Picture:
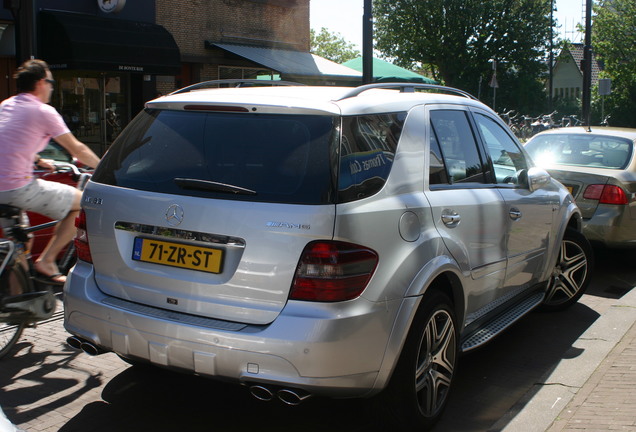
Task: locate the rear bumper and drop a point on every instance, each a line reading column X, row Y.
column 611, row 226
column 331, row 349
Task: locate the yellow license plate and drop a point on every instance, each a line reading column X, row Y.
column 178, row 255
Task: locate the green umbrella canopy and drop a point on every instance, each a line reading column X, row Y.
column 386, row 72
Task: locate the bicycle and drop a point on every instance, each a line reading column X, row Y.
column 570, row 121
column 511, row 118
column 605, row 121
column 24, row 300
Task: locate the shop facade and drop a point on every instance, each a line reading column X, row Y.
column 105, row 56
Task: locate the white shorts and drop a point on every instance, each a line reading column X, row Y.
column 49, row 198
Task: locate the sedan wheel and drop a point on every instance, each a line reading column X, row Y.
column 571, row 274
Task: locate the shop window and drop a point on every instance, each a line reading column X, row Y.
column 94, row 106
column 227, row 72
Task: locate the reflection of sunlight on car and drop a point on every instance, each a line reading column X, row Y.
column 544, row 158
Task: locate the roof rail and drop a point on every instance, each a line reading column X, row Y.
column 405, row 88
column 235, row 83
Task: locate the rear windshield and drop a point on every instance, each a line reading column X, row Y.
column 586, row 150
column 255, row 157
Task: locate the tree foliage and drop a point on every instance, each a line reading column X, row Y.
column 460, row 37
column 332, row 46
column 613, row 36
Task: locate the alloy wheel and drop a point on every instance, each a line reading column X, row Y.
column 569, row 275
column 436, row 358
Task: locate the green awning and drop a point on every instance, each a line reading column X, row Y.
column 386, row 72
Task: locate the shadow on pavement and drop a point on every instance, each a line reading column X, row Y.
column 614, row 273
column 492, row 379
column 153, row 399
column 37, row 368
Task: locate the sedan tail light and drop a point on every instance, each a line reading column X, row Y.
column 331, row 271
column 606, row 194
column 81, row 238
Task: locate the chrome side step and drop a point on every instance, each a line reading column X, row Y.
column 501, row 322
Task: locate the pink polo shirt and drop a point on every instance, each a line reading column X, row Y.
column 26, row 126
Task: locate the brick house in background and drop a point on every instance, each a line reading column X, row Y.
column 245, row 39
column 567, row 75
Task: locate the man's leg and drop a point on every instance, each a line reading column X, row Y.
column 64, row 233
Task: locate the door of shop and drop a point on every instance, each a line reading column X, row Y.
column 7, row 83
column 94, row 105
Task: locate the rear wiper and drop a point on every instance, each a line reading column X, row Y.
column 207, row 185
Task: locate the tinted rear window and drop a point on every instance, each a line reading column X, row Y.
column 272, row 158
column 368, row 147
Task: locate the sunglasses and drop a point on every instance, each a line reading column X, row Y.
column 50, row 81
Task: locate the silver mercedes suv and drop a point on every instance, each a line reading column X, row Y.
column 344, row 242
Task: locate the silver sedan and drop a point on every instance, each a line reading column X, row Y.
column 598, row 167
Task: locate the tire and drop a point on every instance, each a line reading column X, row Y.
column 571, row 273
column 419, row 388
column 14, row 280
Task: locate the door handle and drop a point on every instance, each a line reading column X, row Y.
column 515, row 213
column 450, row 218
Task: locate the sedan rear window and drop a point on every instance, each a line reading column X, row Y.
column 255, row 157
column 596, row 151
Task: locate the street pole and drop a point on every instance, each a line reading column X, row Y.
column 586, row 66
column 551, row 59
column 367, row 43
column 494, row 84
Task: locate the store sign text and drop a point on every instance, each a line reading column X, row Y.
column 124, row 68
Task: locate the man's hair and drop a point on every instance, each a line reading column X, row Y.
column 29, row 73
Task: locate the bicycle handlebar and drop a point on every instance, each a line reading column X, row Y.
column 65, row 166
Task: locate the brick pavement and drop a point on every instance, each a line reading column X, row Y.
column 45, row 383
column 607, row 401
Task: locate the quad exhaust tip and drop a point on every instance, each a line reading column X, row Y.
column 85, row 345
column 293, row 397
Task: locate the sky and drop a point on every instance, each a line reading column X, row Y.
column 345, row 17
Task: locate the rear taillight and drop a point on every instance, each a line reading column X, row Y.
column 331, row 271
column 81, row 238
column 606, row 194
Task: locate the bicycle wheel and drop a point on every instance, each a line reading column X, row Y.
column 13, row 280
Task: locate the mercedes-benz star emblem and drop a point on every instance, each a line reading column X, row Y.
column 174, row 215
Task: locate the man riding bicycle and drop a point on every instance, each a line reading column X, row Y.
column 27, row 123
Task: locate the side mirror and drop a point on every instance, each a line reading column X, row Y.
column 537, row 178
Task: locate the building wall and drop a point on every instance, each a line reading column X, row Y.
column 567, row 79
column 272, row 23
